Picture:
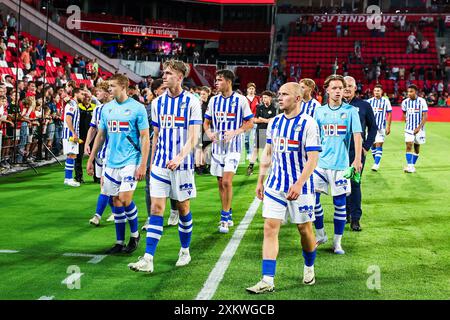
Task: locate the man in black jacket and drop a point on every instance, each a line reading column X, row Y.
column 369, row 128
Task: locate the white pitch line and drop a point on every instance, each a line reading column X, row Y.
column 8, row 251
column 46, row 298
column 96, row 258
column 216, row 275
column 72, row 278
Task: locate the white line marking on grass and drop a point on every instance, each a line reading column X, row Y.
column 8, row 251
column 46, row 298
column 216, row 275
column 96, row 258
column 72, row 278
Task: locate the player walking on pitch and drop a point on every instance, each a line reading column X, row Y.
column 176, row 119
column 415, row 111
column 293, row 146
column 230, row 116
column 125, row 125
column 70, row 135
column 337, row 122
column 102, row 95
column 382, row 111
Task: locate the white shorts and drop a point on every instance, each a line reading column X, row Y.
column 418, row 138
column 177, row 185
column 99, row 165
column 70, row 147
column 225, row 163
column 299, row 211
column 333, row 178
column 116, row 180
column 381, row 134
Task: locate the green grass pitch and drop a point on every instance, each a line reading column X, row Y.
column 406, row 224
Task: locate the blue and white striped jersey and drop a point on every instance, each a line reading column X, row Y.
column 227, row 114
column 380, row 108
column 173, row 116
column 95, row 122
column 71, row 109
column 414, row 109
column 291, row 139
column 309, row 107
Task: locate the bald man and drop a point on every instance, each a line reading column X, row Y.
column 292, row 149
column 369, row 132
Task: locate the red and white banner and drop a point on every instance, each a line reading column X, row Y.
column 160, row 32
column 385, row 18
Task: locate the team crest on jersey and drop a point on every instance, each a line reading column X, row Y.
column 343, row 116
column 298, row 128
column 234, row 104
column 127, row 112
column 183, row 105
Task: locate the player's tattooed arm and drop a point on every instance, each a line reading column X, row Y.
column 145, row 150
column 247, row 125
column 69, row 122
column 98, row 142
column 422, row 123
column 265, row 162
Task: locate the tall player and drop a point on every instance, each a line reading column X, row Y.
column 337, row 121
column 382, row 110
column 102, row 95
column 176, row 120
column 230, row 116
column 415, row 112
column 293, row 146
column 70, row 134
column 124, row 123
column 308, row 104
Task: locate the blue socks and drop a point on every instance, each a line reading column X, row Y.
column 102, row 202
column 374, row 151
column 154, row 233
column 224, row 216
column 309, row 258
column 185, row 230
column 414, row 158
column 409, row 158
column 70, row 164
column 340, row 216
column 132, row 217
column 378, row 155
column 269, row 267
column 318, row 212
column 120, row 219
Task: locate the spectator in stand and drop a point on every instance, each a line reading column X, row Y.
column 3, row 49
column 26, row 59
column 318, row 69
column 411, row 43
column 82, row 66
column 12, row 24
column 442, row 51
column 338, row 30
column 382, row 30
column 424, row 45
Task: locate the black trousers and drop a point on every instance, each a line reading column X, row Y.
column 79, row 162
column 354, row 200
